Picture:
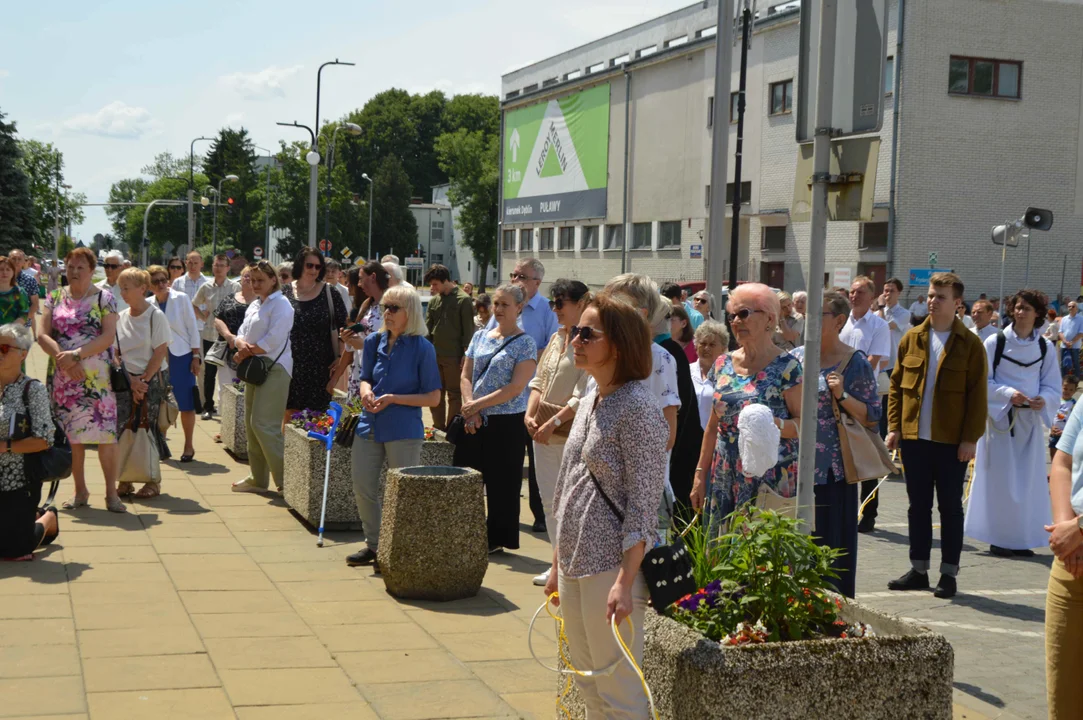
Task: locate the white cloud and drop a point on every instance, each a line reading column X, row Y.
column 450, row 87
column 4, row 73
column 259, row 85
column 115, row 120
column 234, row 119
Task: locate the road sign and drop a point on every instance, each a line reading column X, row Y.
column 695, row 251
column 347, row 253
column 325, row 245
column 860, row 42
column 360, row 262
column 841, row 277
column 932, row 259
column 415, row 262
column 257, row 251
column 167, row 247
column 921, row 276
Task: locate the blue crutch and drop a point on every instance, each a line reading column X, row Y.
column 335, row 411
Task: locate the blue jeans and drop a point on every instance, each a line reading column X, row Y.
column 1074, row 353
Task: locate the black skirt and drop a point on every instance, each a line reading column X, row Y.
column 20, row 533
column 497, row 451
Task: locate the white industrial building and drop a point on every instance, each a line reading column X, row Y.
column 990, row 101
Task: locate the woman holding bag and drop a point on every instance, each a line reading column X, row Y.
column 847, row 379
column 228, row 318
column 185, row 349
column 143, row 337
column 264, row 337
column 319, row 315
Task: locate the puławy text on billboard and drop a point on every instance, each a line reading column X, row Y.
column 556, row 156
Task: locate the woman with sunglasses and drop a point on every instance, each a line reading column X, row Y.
column 399, row 376
column 373, row 282
column 703, row 301
column 319, row 315
column 498, row 365
column 228, row 317
column 265, row 332
column 848, row 379
column 555, row 392
column 615, row 455
column 758, row 371
column 175, row 269
column 185, row 352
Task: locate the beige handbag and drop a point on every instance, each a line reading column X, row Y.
column 167, row 410
column 139, row 461
column 883, row 383
column 768, row 499
column 864, row 455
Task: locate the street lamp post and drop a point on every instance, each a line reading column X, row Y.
column 364, row 176
column 218, row 201
column 56, row 218
column 191, row 190
column 267, row 204
column 313, row 159
column 353, row 129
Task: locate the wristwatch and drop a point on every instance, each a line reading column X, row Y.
column 845, row 396
column 556, row 421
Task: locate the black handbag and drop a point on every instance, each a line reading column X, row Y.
column 118, row 378
column 50, row 465
column 456, row 429
column 254, row 369
column 666, row 568
column 345, row 430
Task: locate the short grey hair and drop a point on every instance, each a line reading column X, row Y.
column 713, row 330
column 710, row 301
column 19, row 333
column 800, row 295
column 113, row 255
column 285, row 267
column 390, row 259
column 837, row 303
column 535, row 266
column 394, row 270
column 643, row 292
column 514, row 290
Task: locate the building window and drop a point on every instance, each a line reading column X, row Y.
column 641, row 236
column 873, row 236
column 889, row 76
column 614, row 237
column 746, row 192
column 734, row 109
column 567, row 238
column 438, row 230
column 710, row 111
column 436, row 258
column 669, row 234
column 781, row 94
column 509, row 241
column 774, row 238
column 590, row 237
column 988, row 78
column 545, row 240
column 526, row 240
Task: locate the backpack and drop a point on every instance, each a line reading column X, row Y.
column 998, row 354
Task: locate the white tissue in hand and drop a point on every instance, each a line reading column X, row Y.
column 757, row 439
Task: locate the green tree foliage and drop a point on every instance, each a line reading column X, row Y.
column 16, row 204
column 166, row 164
column 127, row 190
column 394, row 229
column 165, row 223
column 231, row 153
column 289, row 196
column 471, row 160
column 45, row 174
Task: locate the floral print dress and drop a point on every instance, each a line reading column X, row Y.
column 14, row 304
column 87, row 410
column 729, row 487
column 371, row 321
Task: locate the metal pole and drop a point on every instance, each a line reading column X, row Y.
column 892, row 220
column 214, row 234
column 821, row 153
column 482, row 267
column 371, row 208
column 735, row 227
column 720, row 139
column 267, row 224
column 1003, row 259
column 191, row 189
column 56, row 218
column 146, row 215
column 624, row 195
column 313, row 198
column 1026, row 273
column 330, row 167
column 1063, row 270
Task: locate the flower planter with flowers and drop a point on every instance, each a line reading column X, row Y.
column 305, row 460
column 765, row 637
column 233, row 431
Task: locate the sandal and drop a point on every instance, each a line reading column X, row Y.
column 75, row 502
column 113, row 504
column 48, row 539
column 125, row 489
column 148, row 491
column 187, row 457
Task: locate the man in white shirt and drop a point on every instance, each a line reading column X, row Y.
column 194, row 279
column 983, row 313
column 918, row 310
column 1071, row 334
column 114, row 265
column 868, row 332
column 205, row 305
column 334, row 277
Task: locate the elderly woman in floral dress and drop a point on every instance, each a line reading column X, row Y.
column 78, row 327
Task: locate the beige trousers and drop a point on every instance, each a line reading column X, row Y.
column 1064, row 644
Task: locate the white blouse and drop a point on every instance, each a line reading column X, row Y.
column 268, row 324
column 137, row 337
column 704, row 393
column 182, row 323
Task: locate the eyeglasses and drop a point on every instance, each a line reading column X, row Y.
column 284, row 277
column 520, row 276
column 176, row 267
column 699, row 300
column 160, row 281
column 585, row 334
column 110, row 266
column 391, row 309
column 5, row 349
column 313, row 266
column 557, row 303
column 743, row 314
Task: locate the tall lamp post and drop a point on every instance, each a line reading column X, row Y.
column 192, row 190
column 267, row 203
column 353, row 129
column 313, row 159
column 364, row 176
column 218, row 201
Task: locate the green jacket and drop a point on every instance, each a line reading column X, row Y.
column 451, row 322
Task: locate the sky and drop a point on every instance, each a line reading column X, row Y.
column 113, row 83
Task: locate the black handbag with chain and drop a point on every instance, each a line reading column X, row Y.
column 666, row 568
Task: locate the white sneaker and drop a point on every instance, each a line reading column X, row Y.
column 540, row 580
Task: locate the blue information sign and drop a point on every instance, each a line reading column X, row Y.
column 920, row 276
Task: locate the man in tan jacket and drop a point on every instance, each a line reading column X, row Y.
column 936, row 415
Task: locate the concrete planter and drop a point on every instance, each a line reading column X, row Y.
column 433, row 542
column 305, row 460
column 904, row 672
column 231, row 412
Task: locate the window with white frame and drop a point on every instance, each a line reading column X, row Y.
column 669, row 234
column 641, row 236
column 614, row 237
column 437, row 230
column 526, row 240
column 545, row 240
column 436, row 258
column 566, row 240
column 589, row 240
column 509, row 241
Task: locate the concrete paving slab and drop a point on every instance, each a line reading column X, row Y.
column 292, row 686
column 251, row 653
column 166, row 672
column 190, row 704
column 391, row 666
column 41, row 696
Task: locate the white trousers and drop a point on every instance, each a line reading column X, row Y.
column 547, row 459
column 591, row 645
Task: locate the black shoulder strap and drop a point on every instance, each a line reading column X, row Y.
column 1042, row 345
column 999, row 353
column 503, row 345
column 610, row 503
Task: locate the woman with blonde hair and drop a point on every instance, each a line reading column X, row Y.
column 757, row 372
column 399, row 376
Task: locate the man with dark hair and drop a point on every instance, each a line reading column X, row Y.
column 334, row 279
column 450, row 320
column 205, row 304
column 672, row 292
column 936, row 415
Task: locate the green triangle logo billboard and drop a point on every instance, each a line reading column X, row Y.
column 554, row 166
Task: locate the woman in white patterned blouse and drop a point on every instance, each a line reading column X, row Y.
column 616, row 450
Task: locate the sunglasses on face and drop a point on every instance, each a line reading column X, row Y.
column 585, row 334
column 159, row 281
column 176, row 267
column 743, row 314
column 110, row 266
column 557, row 303
column 313, row 266
column 699, row 300
column 5, row 349
column 520, row 276
column 391, row 309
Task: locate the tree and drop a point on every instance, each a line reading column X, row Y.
column 16, row 203
column 43, row 165
column 65, row 246
column 289, row 197
column 166, row 164
column 127, row 190
column 232, row 153
column 471, row 160
column 473, row 112
column 165, row 223
column 394, row 229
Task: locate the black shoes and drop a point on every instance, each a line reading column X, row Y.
column 207, row 415
column 912, row 580
column 867, row 525
column 945, row 588
column 1000, row 551
column 1023, row 553
column 365, row 557
column 539, row 526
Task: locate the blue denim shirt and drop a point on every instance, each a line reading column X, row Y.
column 409, row 369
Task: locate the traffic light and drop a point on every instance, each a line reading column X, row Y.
column 229, row 204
